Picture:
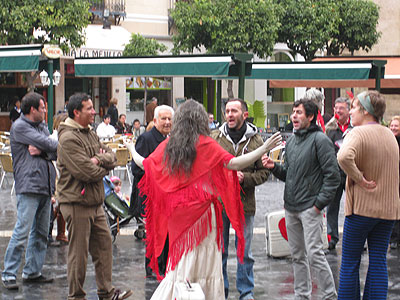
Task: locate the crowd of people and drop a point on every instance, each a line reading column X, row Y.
column 188, row 163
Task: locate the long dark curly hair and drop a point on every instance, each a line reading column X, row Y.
column 190, row 121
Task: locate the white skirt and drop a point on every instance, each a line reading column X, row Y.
column 202, row 265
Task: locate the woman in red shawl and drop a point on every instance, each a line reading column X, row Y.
column 189, row 179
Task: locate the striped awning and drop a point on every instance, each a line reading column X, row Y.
column 20, row 58
column 311, row 71
column 193, row 66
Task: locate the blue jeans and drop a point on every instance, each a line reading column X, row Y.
column 33, row 218
column 244, row 273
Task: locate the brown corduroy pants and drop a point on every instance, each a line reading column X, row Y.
column 88, row 233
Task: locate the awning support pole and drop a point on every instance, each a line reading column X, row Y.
column 241, row 59
column 242, row 69
column 379, row 65
column 219, row 96
column 50, row 99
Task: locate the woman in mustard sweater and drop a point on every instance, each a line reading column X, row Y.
column 370, row 158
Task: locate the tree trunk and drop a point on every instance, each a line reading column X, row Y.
column 229, row 89
column 30, row 78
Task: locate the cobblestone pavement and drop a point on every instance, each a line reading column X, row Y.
column 273, row 277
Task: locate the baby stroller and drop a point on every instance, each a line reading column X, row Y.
column 117, row 210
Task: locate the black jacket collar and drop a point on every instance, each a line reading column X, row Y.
column 313, row 127
column 157, row 135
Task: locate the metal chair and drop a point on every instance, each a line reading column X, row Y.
column 6, row 167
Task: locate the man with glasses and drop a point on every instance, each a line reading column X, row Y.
column 336, row 128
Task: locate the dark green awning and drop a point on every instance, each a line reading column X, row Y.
column 20, row 58
column 311, row 71
column 200, row 66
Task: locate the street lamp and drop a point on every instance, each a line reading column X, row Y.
column 56, row 77
column 45, row 80
column 106, row 22
column 50, row 79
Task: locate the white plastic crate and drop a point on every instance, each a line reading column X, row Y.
column 276, row 244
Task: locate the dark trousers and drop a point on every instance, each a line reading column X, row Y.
column 358, row 229
column 162, row 261
column 332, row 215
column 395, row 237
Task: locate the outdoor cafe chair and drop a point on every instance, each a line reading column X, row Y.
column 6, row 167
column 122, row 155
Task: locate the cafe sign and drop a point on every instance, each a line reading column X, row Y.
column 86, row 53
column 52, row 51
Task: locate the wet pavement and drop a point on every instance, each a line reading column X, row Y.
column 273, row 277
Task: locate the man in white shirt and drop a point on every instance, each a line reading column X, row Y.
column 105, row 130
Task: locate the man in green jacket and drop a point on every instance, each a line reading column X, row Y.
column 239, row 137
column 83, row 162
column 311, row 173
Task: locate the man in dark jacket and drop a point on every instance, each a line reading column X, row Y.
column 239, row 137
column 83, row 161
column 145, row 145
column 312, row 176
column 336, row 129
column 113, row 111
column 32, row 151
column 15, row 112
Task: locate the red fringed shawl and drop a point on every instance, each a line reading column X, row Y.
column 181, row 206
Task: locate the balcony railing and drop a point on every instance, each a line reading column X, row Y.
column 114, row 8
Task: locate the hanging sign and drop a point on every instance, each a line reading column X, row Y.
column 52, row 51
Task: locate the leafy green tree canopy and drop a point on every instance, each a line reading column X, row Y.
column 62, row 21
column 357, row 27
column 141, row 46
column 307, row 25
column 226, row 26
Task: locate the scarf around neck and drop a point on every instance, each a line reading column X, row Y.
column 237, row 134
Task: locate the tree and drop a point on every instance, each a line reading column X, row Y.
column 357, row 27
column 43, row 21
column 308, row 25
column 140, row 46
column 62, row 22
column 226, row 26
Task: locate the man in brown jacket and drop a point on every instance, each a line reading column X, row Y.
column 239, row 137
column 150, row 110
column 83, row 162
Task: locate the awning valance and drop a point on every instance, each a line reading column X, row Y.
column 311, row 71
column 21, row 58
column 330, row 73
column 390, row 79
column 200, row 66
